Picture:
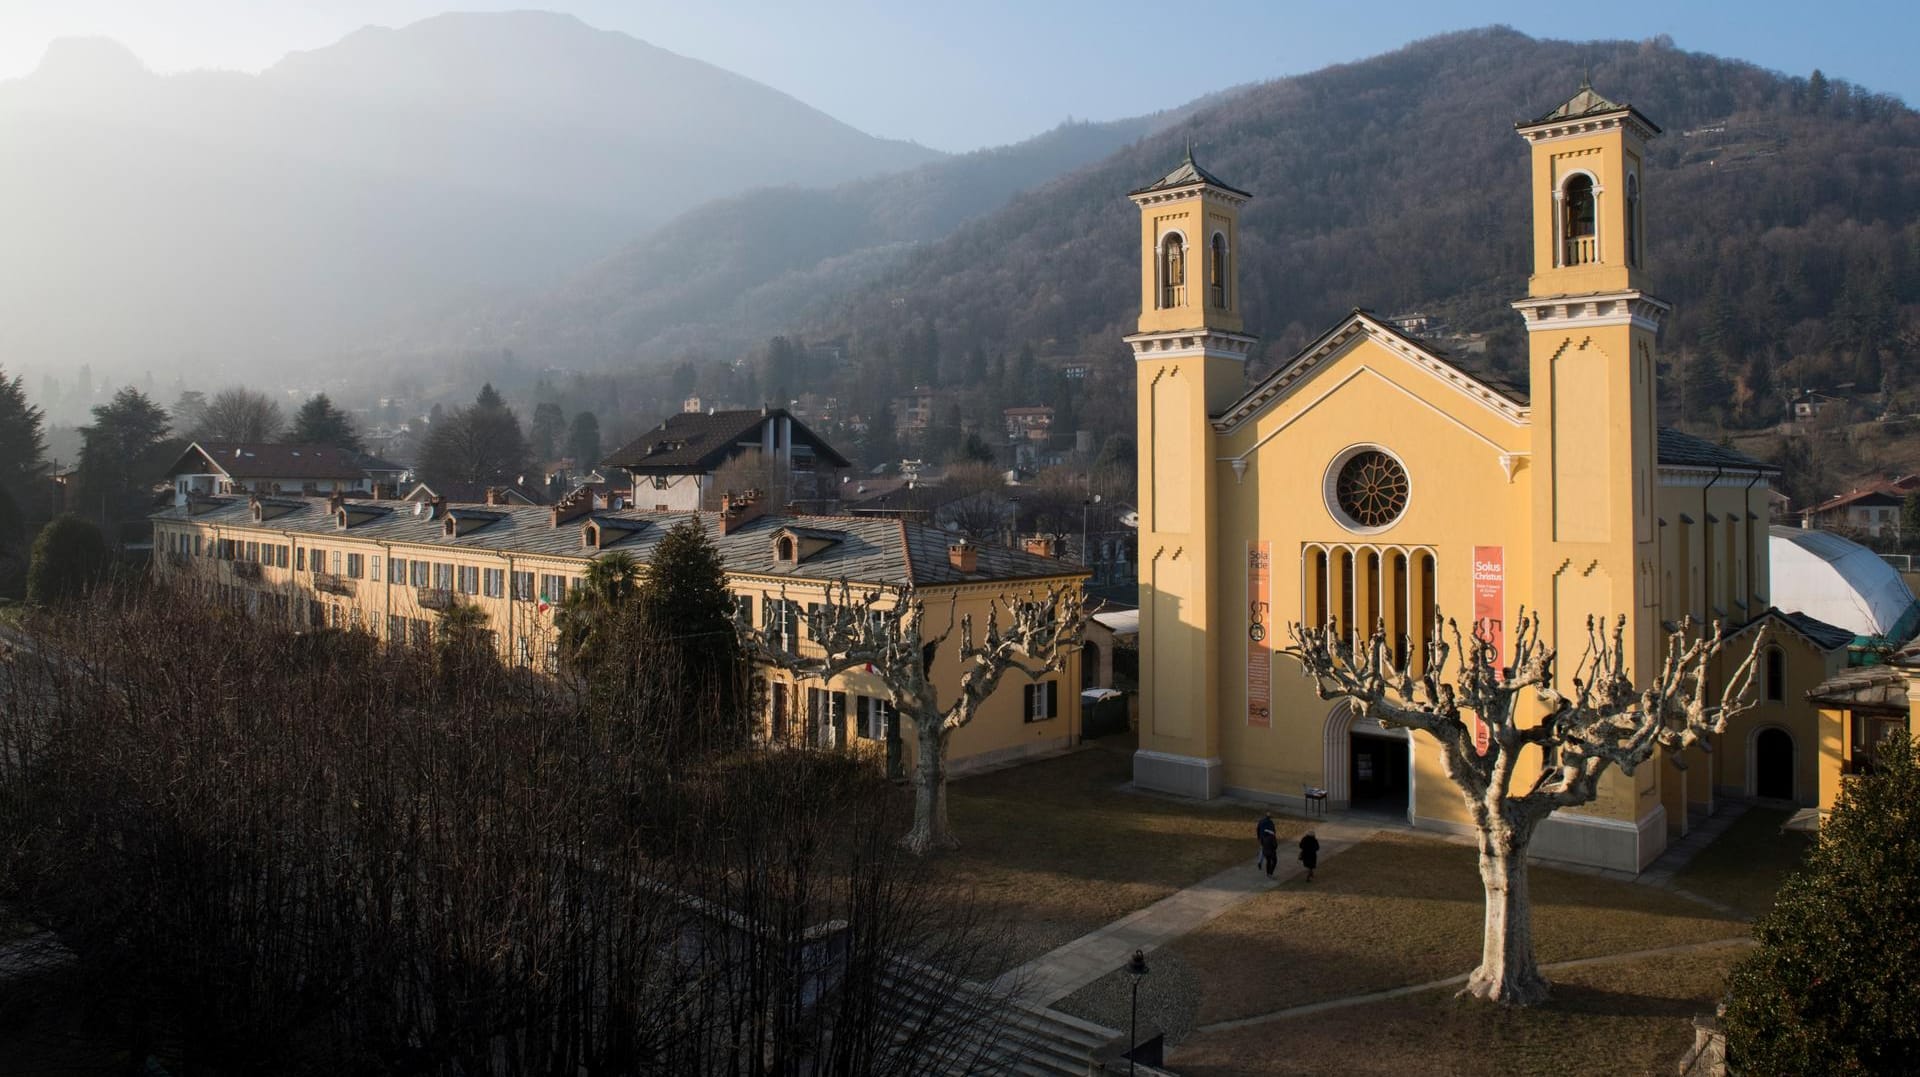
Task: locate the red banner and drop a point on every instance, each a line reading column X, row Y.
column 1489, row 616
column 1259, row 635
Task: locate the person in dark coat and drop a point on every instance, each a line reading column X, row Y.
column 1309, row 853
column 1269, row 844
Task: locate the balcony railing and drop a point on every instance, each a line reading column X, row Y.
column 433, row 598
column 332, row 584
column 1582, row 250
column 1173, row 295
column 247, row 570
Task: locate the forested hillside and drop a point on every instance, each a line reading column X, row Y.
column 1782, row 222
column 1782, row 217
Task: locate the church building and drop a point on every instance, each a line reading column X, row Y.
column 1370, row 479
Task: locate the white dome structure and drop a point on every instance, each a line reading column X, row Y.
column 1841, row 582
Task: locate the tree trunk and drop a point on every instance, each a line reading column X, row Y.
column 930, row 791
column 1507, row 972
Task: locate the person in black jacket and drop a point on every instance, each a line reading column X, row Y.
column 1309, row 853
column 1269, row 844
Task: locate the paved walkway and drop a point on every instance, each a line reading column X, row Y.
column 1055, row 975
column 1699, row 836
column 1413, row 989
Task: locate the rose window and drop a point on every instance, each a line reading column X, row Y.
column 1371, row 489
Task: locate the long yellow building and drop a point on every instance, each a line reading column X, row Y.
column 391, row 567
column 1370, row 478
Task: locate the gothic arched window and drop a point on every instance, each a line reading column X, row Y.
column 1776, row 675
column 1578, row 221
column 1173, row 271
column 1633, row 220
column 1217, row 271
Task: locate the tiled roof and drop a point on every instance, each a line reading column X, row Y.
column 1187, row 174
column 1824, row 635
column 865, row 550
column 701, row 441
column 1586, row 102
column 1684, row 450
column 247, row 460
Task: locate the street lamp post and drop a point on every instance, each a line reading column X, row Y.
column 1137, row 968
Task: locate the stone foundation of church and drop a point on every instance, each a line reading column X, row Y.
column 1182, row 775
column 1587, row 840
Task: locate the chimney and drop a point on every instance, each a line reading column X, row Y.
column 336, row 501
column 739, row 510
column 1043, row 547
column 573, row 506
column 496, row 495
column 437, row 508
column 964, row 557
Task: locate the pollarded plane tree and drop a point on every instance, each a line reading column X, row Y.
column 1599, row 721
column 883, row 632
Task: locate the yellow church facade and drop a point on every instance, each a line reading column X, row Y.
column 1372, row 480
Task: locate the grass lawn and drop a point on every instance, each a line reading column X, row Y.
column 1395, row 910
column 1746, row 865
column 1057, row 848
column 1616, row 1019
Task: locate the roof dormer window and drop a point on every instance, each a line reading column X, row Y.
column 785, row 550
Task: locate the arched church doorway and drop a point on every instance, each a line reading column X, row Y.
column 1773, row 764
column 1379, row 776
column 1368, row 768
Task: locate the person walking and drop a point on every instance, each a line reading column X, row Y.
column 1309, row 853
column 1269, row 844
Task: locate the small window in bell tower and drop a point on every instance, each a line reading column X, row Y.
column 1578, row 225
column 1173, row 272
column 1217, row 271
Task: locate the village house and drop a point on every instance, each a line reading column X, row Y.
column 673, row 465
column 232, row 467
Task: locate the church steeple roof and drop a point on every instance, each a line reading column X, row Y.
column 1586, row 101
column 1186, row 175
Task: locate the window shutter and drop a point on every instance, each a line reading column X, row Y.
column 1053, row 699
column 1027, row 706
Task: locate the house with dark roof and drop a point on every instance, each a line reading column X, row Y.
column 390, row 567
column 207, row 468
column 673, row 466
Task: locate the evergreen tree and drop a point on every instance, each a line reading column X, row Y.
column 115, row 450
column 1910, row 520
column 549, row 426
column 69, row 557
column 688, row 614
column 583, row 441
column 23, row 449
column 318, row 422
column 1831, row 989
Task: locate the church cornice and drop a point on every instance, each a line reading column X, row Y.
column 1632, row 307
column 1577, row 126
column 1184, row 343
column 1282, row 381
column 1203, row 191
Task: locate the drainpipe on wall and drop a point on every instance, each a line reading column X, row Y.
column 1706, row 549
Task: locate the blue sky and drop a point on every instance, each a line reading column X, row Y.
column 959, row 75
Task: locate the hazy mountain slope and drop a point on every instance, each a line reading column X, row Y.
column 727, row 273
column 216, row 217
column 1394, row 183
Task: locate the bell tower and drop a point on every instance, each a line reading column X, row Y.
column 1591, row 336
column 1190, row 363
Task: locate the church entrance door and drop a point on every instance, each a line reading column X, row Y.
column 1773, row 764
column 1378, row 774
